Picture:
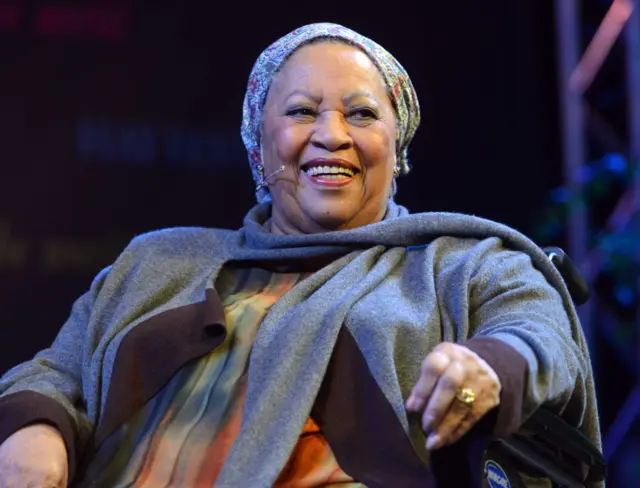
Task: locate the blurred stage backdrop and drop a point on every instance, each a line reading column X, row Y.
column 121, row 117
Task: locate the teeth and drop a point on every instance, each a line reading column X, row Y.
column 329, row 170
column 334, row 177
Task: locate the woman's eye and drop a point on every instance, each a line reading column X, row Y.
column 363, row 113
column 301, row 112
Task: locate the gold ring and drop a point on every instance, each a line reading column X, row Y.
column 466, row 396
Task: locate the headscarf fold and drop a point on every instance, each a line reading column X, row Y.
column 396, row 79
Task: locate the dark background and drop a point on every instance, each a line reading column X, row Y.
column 120, row 117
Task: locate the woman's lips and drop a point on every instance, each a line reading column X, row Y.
column 329, row 182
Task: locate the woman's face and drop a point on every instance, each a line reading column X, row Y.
column 329, row 121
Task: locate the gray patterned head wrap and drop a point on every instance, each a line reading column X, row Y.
column 400, row 88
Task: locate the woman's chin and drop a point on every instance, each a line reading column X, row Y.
column 332, row 216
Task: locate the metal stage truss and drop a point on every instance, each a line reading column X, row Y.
column 577, row 69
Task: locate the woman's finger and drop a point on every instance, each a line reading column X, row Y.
column 443, row 396
column 434, row 365
column 465, row 425
column 457, row 414
column 487, row 398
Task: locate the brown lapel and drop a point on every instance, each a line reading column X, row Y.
column 361, row 427
column 369, row 441
column 153, row 352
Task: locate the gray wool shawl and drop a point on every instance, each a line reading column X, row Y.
column 400, row 286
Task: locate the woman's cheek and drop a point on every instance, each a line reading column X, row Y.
column 377, row 152
column 291, row 142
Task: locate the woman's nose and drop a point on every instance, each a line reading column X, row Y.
column 331, row 133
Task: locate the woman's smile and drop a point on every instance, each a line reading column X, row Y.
column 329, row 173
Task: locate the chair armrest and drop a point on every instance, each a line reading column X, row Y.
column 578, row 288
column 531, row 458
column 548, row 428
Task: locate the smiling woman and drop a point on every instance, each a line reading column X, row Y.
column 334, row 338
column 329, row 120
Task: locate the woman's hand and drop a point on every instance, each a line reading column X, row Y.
column 35, row 456
column 447, row 373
